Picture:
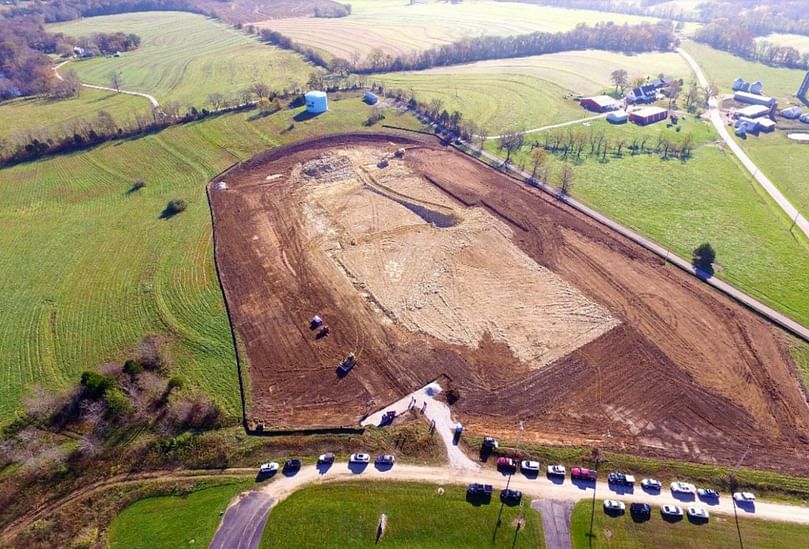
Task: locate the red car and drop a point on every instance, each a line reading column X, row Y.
column 580, row 473
column 506, row 463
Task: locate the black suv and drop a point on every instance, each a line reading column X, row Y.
column 640, row 510
column 511, row 496
column 476, row 489
column 292, row 465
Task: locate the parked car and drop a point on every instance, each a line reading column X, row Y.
column 640, row 510
column 683, row 488
column 744, row 497
column 671, row 511
column 707, row 493
column 698, row 513
column 490, row 443
column 477, row 490
column 556, row 470
column 621, row 479
column 511, row 496
column 581, row 473
column 529, row 466
column 359, row 458
column 651, row 484
column 506, row 463
column 385, row 459
column 328, row 457
column 613, row 506
column 268, row 468
column 292, row 465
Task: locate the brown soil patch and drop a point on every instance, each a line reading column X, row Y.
column 437, row 266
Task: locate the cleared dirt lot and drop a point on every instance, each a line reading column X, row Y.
column 436, row 266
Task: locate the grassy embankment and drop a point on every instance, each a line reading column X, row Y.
column 347, row 515
column 89, row 267
column 720, row 532
column 185, row 57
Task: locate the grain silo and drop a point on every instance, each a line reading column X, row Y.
column 316, row 102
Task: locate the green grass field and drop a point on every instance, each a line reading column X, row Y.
column 173, row 521
column 785, row 162
column 706, row 199
column 584, row 72
column 21, row 116
column 347, row 514
column 396, row 27
column 723, row 68
column 720, row 532
column 89, row 268
column 185, row 57
column 797, row 41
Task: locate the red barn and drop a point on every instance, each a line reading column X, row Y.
column 599, row 103
column 648, row 115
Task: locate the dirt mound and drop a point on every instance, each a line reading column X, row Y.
column 530, row 310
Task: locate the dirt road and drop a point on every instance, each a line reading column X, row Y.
column 239, row 526
column 146, row 96
column 716, row 118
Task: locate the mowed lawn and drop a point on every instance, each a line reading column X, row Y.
column 88, row 268
column 173, row 521
column 723, row 68
column 785, row 162
column 25, row 116
column 718, row 533
column 497, row 103
column 347, row 515
column 583, row 72
column 185, row 57
column 397, row 27
column 705, row 199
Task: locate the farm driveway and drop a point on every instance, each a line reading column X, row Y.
column 243, row 522
column 150, row 98
column 555, row 522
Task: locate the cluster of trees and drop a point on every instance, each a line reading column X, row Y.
column 67, row 10
column 25, row 69
column 333, row 10
column 109, row 42
column 576, row 144
column 761, row 17
column 741, row 41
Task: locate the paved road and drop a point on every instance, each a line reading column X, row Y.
column 554, row 126
column 241, row 523
column 555, row 522
column 151, row 98
column 716, row 118
column 435, row 410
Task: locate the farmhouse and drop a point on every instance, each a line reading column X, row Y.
column 316, row 102
column 599, row 103
column 648, row 115
column 752, row 111
column 644, row 94
column 617, row 117
column 753, row 99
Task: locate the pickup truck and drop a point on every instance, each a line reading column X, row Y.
column 581, row 473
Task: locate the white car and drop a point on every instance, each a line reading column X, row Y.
column 530, row 466
column 683, row 488
column 556, row 470
column 671, row 511
column 613, row 505
column 698, row 513
column 269, row 468
column 359, row 458
column 651, row 484
column 744, row 497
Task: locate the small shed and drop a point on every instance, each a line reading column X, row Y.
column 753, row 99
column 648, row 115
column 752, row 111
column 765, row 124
column 617, row 117
column 371, row 98
column 599, row 103
column 316, row 102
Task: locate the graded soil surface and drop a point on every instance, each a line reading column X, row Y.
column 435, row 266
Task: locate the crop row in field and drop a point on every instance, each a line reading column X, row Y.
column 89, row 267
column 185, row 57
column 397, row 28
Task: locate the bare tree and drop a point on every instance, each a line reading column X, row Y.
column 216, row 100
column 261, row 89
column 619, row 77
column 538, row 158
column 710, row 91
column 566, row 179
column 674, row 93
column 510, row 142
column 116, row 80
column 692, row 95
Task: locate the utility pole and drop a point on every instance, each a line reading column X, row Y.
column 733, row 489
column 516, row 448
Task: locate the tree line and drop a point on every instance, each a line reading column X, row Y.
column 741, row 41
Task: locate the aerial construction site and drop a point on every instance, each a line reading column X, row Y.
column 427, row 264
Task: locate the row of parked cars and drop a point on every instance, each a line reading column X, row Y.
column 484, row 491
column 292, row 466
column 643, row 511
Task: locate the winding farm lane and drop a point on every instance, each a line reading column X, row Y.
column 151, row 98
column 554, row 126
column 763, row 180
column 245, row 518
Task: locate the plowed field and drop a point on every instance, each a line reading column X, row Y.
column 435, row 266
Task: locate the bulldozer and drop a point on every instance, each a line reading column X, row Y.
column 345, row 366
